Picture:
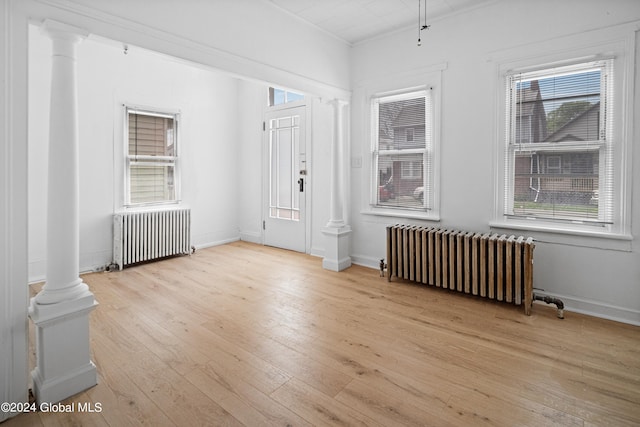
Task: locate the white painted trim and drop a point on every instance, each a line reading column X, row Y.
column 317, row 252
column 548, row 232
column 308, row 195
column 424, row 78
column 13, row 209
column 113, row 27
column 216, row 243
column 251, row 237
column 336, row 265
column 616, row 42
column 337, row 241
column 367, row 261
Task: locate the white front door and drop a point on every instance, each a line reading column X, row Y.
column 286, row 180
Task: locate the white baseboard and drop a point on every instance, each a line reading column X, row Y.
column 366, row 261
column 317, row 252
column 251, row 237
column 216, row 243
column 598, row 309
column 336, row 265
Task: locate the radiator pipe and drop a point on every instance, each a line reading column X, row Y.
column 382, row 267
column 111, row 267
column 550, row 300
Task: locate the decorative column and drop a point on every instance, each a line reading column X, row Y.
column 61, row 310
column 337, row 232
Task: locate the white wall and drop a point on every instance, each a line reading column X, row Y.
column 592, row 275
column 107, row 79
column 320, row 169
column 252, row 100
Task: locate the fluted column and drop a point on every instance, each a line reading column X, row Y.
column 61, row 310
column 337, row 231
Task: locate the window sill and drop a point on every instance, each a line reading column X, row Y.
column 145, row 207
column 400, row 213
column 583, row 236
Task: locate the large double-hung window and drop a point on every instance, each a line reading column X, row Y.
column 402, row 150
column 151, row 157
column 559, row 144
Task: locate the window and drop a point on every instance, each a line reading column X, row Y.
column 410, row 134
column 559, row 145
column 151, row 157
column 281, row 96
column 402, row 150
column 554, row 165
column 411, row 170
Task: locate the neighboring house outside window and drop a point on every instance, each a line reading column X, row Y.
column 402, row 150
column 151, row 157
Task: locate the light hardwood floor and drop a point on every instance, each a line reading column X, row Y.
column 243, row 334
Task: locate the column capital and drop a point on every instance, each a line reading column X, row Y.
column 61, row 31
column 337, row 103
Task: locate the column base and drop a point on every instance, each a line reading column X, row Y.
column 63, row 367
column 336, row 248
column 57, row 389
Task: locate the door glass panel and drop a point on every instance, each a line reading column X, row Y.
column 273, row 166
column 284, row 172
column 294, row 162
column 284, row 122
column 284, row 152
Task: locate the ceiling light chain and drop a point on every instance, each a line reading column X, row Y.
column 422, row 26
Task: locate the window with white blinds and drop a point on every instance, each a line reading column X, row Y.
column 559, row 163
column 402, row 150
column 151, row 157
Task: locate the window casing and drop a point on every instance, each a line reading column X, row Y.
column 151, row 157
column 559, row 144
column 402, row 151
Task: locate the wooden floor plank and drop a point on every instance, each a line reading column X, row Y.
column 249, row 405
column 319, row 408
column 243, row 334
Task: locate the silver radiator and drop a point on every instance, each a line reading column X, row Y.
column 150, row 235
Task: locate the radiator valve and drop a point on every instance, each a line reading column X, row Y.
column 383, row 266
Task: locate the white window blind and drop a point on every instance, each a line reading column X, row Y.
column 559, row 147
column 151, row 157
column 402, row 150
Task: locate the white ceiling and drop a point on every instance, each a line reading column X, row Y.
column 356, row 20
